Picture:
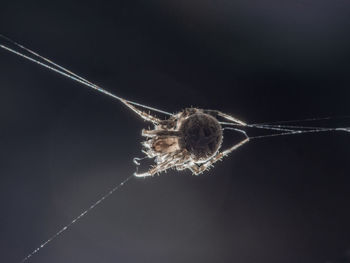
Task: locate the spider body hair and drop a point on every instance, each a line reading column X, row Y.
column 190, row 139
column 201, row 136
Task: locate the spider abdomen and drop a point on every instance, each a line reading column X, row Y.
column 201, row 135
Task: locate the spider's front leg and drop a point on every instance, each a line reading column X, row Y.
column 164, row 133
column 196, row 169
column 142, row 114
column 169, row 163
column 157, row 169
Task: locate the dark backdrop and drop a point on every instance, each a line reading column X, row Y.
column 283, row 199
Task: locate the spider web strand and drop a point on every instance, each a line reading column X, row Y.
column 280, row 127
column 288, row 131
column 299, row 132
column 69, row 74
column 76, row 219
column 306, row 120
column 45, row 59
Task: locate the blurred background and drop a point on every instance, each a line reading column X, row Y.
column 62, row 146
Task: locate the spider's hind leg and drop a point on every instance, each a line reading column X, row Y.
column 225, row 116
column 198, row 169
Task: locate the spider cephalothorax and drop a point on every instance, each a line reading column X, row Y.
column 189, row 139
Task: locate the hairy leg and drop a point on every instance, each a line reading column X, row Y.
column 142, row 114
column 196, row 169
column 225, row 116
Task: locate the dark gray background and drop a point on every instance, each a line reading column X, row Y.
column 62, row 145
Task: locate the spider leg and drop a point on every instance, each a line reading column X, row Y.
column 153, row 133
column 171, row 162
column 226, row 116
column 142, row 114
column 198, row 169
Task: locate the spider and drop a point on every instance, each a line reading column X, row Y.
column 190, row 139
